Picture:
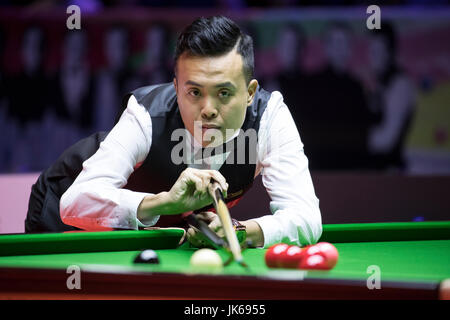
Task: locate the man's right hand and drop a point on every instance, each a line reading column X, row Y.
column 189, row 193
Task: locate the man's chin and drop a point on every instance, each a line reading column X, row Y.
column 211, row 143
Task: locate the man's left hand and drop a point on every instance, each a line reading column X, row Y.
column 213, row 222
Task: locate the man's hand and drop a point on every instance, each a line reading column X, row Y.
column 213, row 222
column 253, row 231
column 189, row 193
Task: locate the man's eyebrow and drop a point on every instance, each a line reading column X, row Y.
column 192, row 83
column 227, row 84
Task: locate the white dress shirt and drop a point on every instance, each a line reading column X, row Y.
column 97, row 201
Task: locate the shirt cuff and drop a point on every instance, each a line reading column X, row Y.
column 269, row 229
column 148, row 222
column 296, row 231
column 132, row 201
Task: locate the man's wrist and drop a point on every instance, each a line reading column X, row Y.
column 155, row 205
column 254, row 233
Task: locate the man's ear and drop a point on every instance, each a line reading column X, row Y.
column 251, row 89
column 175, row 84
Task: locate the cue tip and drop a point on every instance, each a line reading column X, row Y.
column 242, row 263
column 239, row 262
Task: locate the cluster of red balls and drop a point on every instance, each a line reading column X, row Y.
column 320, row 256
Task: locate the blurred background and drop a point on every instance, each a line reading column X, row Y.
column 372, row 106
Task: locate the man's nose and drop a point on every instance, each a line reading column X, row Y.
column 208, row 110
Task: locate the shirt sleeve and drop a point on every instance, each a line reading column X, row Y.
column 96, row 200
column 296, row 217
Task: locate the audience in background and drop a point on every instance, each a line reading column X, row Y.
column 156, row 67
column 342, row 128
column 115, row 79
column 72, row 95
column 292, row 80
column 5, row 140
column 335, row 121
column 28, row 94
column 393, row 98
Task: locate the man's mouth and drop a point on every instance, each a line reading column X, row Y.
column 209, row 126
column 212, row 137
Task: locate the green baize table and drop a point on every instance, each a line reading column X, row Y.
column 404, row 260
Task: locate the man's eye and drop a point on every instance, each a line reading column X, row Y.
column 224, row 94
column 194, row 93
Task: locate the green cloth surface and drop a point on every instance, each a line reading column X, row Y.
column 410, row 251
column 398, row 261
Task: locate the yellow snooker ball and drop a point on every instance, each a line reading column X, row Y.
column 206, row 259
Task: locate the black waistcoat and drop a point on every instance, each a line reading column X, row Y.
column 157, row 173
column 159, row 168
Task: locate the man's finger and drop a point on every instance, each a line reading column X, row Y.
column 206, row 216
column 200, row 185
column 216, row 226
column 192, row 236
column 217, row 176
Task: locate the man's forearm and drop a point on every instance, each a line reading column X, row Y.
column 155, row 205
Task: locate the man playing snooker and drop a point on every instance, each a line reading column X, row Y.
column 213, row 91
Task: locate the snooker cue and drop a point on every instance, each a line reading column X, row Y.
column 224, row 215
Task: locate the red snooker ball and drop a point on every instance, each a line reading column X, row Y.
column 272, row 256
column 321, row 256
column 330, row 252
column 313, row 262
column 291, row 257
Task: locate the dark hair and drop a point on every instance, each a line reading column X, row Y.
column 213, row 37
column 387, row 33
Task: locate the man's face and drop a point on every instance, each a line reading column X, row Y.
column 338, row 49
column 212, row 94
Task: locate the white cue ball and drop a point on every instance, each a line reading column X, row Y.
column 206, row 259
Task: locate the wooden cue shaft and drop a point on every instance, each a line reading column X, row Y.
column 224, row 215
